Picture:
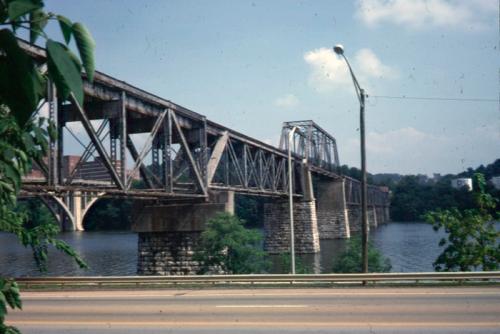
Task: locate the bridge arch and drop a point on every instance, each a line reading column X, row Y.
column 70, row 208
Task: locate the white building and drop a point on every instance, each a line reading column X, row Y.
column 495, row 181
column 462, row 182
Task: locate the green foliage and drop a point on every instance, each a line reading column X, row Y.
column 285, row 262
column 86, row 47
column 40, row 230
column 412, row 198
column 472, row 241
column 22, row 139
column 22, row 83
column 250, row 209
column 227, row 246
column 350, row 259
column 109, row 214
column 65, row 69
column 9, row 295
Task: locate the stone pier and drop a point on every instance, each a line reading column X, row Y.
column 277, row 227
column 333, row 218
column 168, row 234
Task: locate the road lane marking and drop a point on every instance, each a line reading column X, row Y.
column 261, row 306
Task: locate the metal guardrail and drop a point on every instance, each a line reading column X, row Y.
column 493, row 276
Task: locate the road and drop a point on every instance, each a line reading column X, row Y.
column 341, row 310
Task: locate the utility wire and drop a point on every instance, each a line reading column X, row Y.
column 434, row 98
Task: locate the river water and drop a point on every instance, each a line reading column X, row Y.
column 411, row 247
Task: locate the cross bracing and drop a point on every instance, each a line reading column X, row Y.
column 180, row 154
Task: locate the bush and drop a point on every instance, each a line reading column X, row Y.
column 350, row 260
column 285, row 264
column 227, row 246
column 472, row 240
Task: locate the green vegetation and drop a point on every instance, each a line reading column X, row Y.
column 250, row 209
column 23, row 138
column 285, row 263
column 414, row 195
column 472, row 241
column 109, row 214
column 350, row 259
column 227, row 246
column 411, row 199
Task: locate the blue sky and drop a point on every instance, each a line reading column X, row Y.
column 251, row 65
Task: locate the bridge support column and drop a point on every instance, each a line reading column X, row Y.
column 354, row 214
column 380, row 214
column 277, row 227
column 168, row 234
column 372, row 217
column 333, row 218
column 77, row 210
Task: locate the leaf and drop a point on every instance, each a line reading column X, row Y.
column 18, row 8
column 21, row 88
column 86, row 47
column 38, row 20
column 64, row 71
column 65, row 24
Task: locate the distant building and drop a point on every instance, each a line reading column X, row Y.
column 88, row 170
column 461, row 183
column 495, row 181
column 436, row 177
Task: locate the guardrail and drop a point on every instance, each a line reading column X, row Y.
column 492, row 276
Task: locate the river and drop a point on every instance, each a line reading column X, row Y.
column 411, row 247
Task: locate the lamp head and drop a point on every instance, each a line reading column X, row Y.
column 339, row 49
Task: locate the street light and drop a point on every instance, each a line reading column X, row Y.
column 360, row 92
column 290, row 197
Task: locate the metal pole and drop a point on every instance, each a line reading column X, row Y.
column 290, row 197
column 360, row 92
column 363, row 182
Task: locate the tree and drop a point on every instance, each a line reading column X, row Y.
column 23, row 138
column 350, row 259
column 227, row 246
column 109, row 214
column 472, row 240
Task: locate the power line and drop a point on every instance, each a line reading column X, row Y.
column 404, row 97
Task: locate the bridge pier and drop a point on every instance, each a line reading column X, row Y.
column 277, row 227
column 333, row 217
column 372, row 217
column 168, row 234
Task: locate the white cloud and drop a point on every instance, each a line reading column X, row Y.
column 409, row 150
column 418, row 14
column 329, row 72
column 371, row 65
column 288, row 101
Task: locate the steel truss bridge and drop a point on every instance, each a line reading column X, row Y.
column 183, row 155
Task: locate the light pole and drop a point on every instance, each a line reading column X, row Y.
column 360, row 92
column 290, row 197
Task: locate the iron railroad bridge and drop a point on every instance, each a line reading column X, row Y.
column 187, row 158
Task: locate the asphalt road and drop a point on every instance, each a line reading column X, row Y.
column 342, row 310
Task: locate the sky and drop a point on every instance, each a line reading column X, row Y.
column 252, row 65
